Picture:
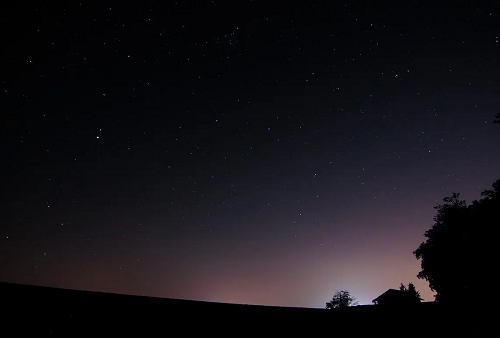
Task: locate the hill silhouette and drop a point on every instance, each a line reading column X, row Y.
column 61, row 312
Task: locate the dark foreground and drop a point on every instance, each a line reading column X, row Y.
column 58, row 312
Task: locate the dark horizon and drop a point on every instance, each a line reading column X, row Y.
column 239, row 152
column 18, row 289
column 91, row 312
column 56, row 289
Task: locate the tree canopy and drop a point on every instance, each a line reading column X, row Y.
column 459, row 256
column 341, row 299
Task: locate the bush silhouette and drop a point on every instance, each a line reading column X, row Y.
column 341, row 299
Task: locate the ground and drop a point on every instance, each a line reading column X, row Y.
column 58, row 312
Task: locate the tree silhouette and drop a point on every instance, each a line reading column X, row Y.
column 497, row 118
column 341, row 299
column 459, row 255
column 411, row 293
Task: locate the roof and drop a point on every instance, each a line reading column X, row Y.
column 391, row 293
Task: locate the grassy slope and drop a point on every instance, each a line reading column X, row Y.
column 34, row 309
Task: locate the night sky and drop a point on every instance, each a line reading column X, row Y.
column 244, row 151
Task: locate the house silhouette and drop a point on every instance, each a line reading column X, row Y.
column 392, row 297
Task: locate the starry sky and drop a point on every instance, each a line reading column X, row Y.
column 248, row 152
